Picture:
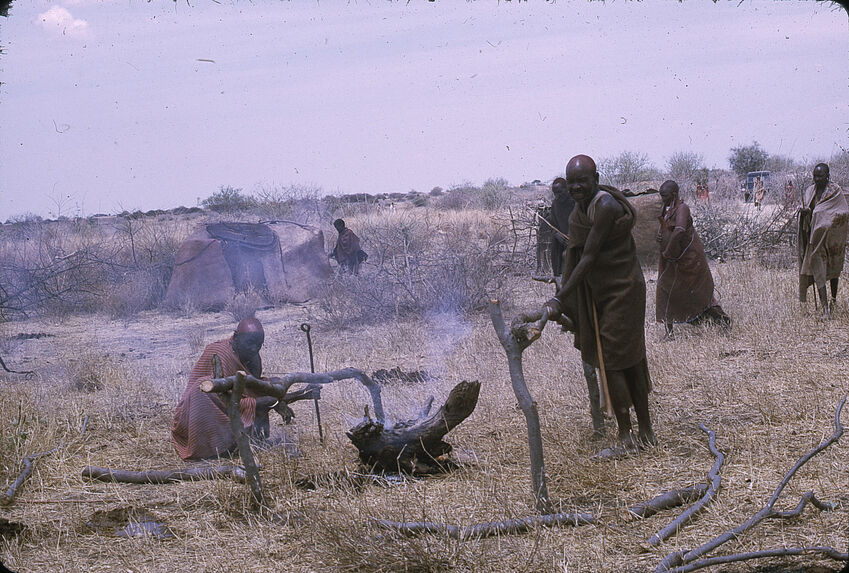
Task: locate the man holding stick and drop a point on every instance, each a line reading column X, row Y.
column 603, row 292
column 823, row 228
column 201, row 427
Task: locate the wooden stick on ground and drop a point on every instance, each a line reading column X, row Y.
column 9, row 495
column 164, row 476
column 481, row 530
column 686, row 561
column 666, row 500
column 715, row 481
column 513, row 347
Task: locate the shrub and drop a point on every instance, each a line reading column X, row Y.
column 746, row 158
column 228, row 200
column 626, row 169
column 683, row 166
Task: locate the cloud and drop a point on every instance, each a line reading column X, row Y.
column 59, row 21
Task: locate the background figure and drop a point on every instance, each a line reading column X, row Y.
column 759, row 192
column 684, row 282
column 347, row 251
column 822, row 231
column 604, row 294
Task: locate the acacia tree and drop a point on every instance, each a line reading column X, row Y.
column 684, row 165
column 745, row 158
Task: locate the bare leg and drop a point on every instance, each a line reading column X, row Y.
column 595, row 398
column 826, row 310
column 638, row 387
column 618, row 389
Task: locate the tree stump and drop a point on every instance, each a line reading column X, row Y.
column 415, row 446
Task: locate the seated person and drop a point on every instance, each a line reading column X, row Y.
column 201, row 427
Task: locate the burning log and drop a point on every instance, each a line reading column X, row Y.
column 414, row 446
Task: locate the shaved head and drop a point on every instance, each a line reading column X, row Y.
column 581, row 163
column 250, row 324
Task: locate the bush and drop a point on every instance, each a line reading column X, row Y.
column 413, row 271
column 626, row 169
column 228, row 200
column 746, row 158
column 683, row 166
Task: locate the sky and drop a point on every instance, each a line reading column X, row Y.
column 112, row 105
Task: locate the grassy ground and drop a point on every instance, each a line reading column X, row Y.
column 769, row 389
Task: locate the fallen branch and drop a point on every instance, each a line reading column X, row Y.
column 415, row 446
column 164, row 476
column 782, row 552
column 666, row 500
column 715, row 481
column 7, row 369
column 514, row 346
column 481, row 530
column 279, row 386
column 9, row 496
column 682, row 562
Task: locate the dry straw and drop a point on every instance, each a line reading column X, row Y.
column 768, row 388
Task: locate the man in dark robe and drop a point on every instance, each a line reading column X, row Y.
column 603, row 292
column 201, row 427
column 823, row 226
column 561, row 209
column 684, row 282
column 347, row 251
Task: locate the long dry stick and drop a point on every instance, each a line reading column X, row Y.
column 514, row 348
column 164, row 476
column 9, row 495
column 279, row 386
column 481, row 530
column 666, row 500
column 715, row 481
column 682, row 562
column 233, row 411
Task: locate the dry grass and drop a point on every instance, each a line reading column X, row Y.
column 768, row 388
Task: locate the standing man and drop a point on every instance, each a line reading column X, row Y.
column 347, row 251
column 684, row 281
column 823, row 225
column 561, row 210
column 604, row 294
column 201, row 427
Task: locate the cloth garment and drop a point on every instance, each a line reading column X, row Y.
column 822, row 237
column 561, row 211
column 615, row 285
column 684, row 282
column 201, row 428
column 347, row 251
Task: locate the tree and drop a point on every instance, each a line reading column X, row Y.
column 684, row 165
column 228, row 200
column 745, row 158
column 627, row 168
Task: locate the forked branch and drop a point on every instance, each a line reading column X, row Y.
column 685, row 561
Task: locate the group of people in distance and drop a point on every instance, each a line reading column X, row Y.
column 603, row 291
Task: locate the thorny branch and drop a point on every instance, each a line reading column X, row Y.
column 685, row 561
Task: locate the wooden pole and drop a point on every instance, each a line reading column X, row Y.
column 233, row 411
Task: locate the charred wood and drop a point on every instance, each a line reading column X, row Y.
column 415, row 446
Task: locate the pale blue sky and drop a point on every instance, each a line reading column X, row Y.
column 106, row 105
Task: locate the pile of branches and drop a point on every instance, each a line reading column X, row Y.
column 729, row 233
